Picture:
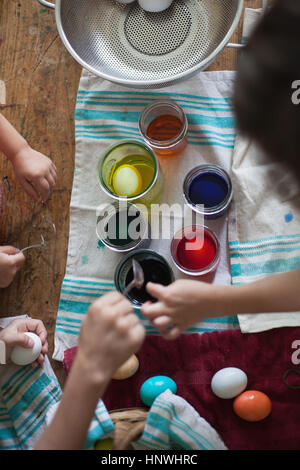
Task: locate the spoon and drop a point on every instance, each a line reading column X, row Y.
column 43, row 243
column 138, row 277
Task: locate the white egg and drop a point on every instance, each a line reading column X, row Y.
column 229, row 382
column 155, row 5
column 23, row 356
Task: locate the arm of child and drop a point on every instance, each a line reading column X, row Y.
column 34, row 171
column 186, row 302
column 109, row 335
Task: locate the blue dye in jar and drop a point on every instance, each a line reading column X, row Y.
column 208, row 189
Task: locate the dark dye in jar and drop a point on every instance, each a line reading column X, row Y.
column 209, row 189
column 117, row 228
column 154, row 271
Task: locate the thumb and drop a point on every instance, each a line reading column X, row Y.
column 156, row 290
column 29, row 189
column 9, row 250
column 24, row 341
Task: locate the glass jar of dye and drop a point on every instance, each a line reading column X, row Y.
column 163, row 125
column 123, row 227
column 195, row 250
column 129, row 171
column 207, row 189
column 155, row 268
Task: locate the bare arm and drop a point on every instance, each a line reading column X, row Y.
column 279, row 293
column 186, row 302
column 110, row 322
column 70, row 425
column 35, row 172
column 11, row 142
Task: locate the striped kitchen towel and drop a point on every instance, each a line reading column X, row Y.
column 29, row 398
column 106, row 112
column 264, row 227
column 101, row 427
column 27, row 394
column 174, row 424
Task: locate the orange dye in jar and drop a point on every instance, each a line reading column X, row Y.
column 164, row 130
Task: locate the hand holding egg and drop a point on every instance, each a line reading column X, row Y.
column 23, row 356
column 25, row 341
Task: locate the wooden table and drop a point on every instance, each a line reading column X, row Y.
column 41, row 81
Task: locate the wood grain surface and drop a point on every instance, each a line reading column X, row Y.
column 37, row 95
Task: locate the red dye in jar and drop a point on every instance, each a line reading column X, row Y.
column 197, row 253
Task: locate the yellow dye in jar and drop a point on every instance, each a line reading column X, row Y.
column 131, row 175
column 130, row 170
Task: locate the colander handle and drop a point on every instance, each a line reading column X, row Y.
column 47, row 4
column 238, row 46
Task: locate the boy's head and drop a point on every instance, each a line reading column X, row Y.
column 268, row 67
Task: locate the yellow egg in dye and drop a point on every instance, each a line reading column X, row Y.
column 104, row 444
column 127, row 181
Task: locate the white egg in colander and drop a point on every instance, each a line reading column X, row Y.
column 153, row 6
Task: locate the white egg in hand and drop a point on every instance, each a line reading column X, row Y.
column 23, row 356
column 229, row 382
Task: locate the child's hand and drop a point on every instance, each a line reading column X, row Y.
column 110, row 333
column 13, row 335
column 180, row 305
column 11, row 260
column 35, row 172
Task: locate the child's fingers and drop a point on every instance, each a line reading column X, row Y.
column 23, row 340
column 172, row 334
column 44, row 188
column 156, row 290
column 162, row 322
column 45, row 348
column 9, row 250
column 53, row 171
column 37, row 326
column 30, row 190
column 19, row 259
column 152, row 311
column 51, row 180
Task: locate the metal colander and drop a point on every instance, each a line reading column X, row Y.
column 129, row 46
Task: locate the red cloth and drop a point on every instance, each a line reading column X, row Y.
column 192, row 361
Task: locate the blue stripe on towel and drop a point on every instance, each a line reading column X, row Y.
column 93, row 114
column 260, row 240
column 266, row 267
column 160, row 94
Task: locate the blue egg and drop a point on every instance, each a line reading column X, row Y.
column 154, row 386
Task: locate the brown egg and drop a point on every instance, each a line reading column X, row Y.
column 128, row 369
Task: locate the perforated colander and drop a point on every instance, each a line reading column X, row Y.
column 129, row 46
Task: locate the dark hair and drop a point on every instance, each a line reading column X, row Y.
column 267, row 68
